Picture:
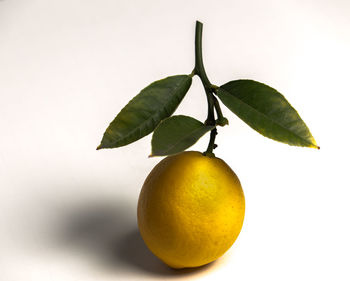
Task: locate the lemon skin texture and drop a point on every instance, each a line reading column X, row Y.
column 190, row 209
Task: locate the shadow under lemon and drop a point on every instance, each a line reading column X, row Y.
column 107, row 232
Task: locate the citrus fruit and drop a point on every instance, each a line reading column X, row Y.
column 190, row 209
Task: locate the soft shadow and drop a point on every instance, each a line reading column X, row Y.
column 96, row 221
column 107, row 232
column 95, row 227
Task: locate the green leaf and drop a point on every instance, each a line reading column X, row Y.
column 267, row 111
column 177, row 133
column 144, row 112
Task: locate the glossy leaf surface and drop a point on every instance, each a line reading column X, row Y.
column 267, row 111
column 177, row 133
column 144, row 112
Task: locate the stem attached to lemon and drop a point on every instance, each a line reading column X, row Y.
column 209, row 88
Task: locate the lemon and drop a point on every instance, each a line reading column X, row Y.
column 190, row 209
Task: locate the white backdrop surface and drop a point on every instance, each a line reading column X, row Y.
column 68, row 212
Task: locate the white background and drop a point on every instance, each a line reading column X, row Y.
column 68, row 212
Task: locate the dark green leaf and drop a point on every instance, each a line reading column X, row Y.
column 177, row 133
column 144, row 112
column 267, row 111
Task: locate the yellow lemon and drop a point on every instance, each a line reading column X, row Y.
column 191, row 209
